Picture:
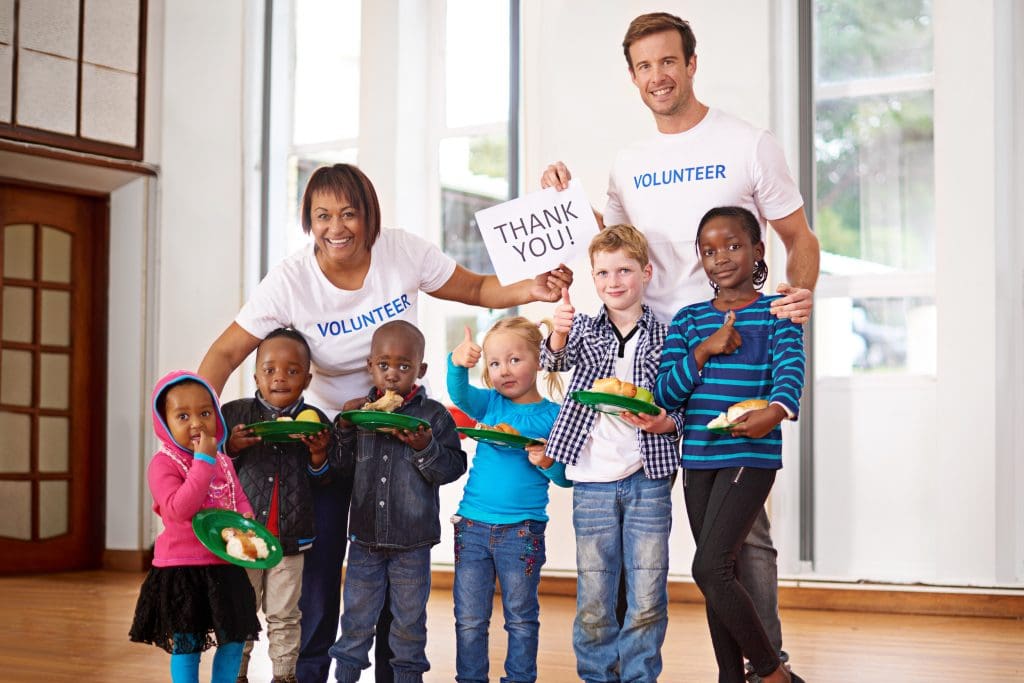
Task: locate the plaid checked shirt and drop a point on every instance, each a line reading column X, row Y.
column 591, row 350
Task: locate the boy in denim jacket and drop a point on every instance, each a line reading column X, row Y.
column 395, row 514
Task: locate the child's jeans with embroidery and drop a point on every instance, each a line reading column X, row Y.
column 515, row 553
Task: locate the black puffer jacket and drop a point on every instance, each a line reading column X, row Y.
column 287, row 464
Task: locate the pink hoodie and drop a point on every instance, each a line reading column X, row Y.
column 182, row 484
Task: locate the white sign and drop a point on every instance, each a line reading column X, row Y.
column 534, row 233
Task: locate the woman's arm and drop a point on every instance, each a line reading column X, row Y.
column 475, row 289
column 226, row 354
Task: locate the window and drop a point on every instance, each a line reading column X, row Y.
column 874, row 190
column 325, row 99
column 477, row 152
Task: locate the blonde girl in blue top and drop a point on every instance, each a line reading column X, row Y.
column 499, row 527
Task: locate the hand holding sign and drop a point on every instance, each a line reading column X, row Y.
column 562, row 322
column 556, row 175
column 547, row 286
column 537, row 233
column 467, row 353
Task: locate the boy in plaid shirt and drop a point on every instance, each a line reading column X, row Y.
column 621, row 465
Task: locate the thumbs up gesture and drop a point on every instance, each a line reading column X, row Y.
column 564, row 312
column 467, row 353
column 725, row 339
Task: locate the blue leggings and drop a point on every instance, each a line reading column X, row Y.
column 226, row 660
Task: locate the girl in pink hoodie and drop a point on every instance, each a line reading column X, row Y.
column 192, row 600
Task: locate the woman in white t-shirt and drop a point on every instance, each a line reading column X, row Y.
column 335, row 292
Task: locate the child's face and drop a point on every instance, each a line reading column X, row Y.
column 620, row 279
column 512, row 366
column 282, row 371
column 190, row 412
column 728, row 254
column 395, row 363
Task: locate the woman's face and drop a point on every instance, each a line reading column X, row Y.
column 337, row 228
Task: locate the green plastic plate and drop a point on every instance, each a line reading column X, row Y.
column 378, row 420
column 720, row 430
column 282, row 430
column 496, row 438
column 613, row 403
column 207, row 525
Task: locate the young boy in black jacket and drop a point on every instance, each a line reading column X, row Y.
column 395, row 515
column 278, row 477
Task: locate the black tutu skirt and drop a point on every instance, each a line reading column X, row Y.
column 185, row 610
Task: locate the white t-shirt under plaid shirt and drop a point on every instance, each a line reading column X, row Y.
column 591, row 352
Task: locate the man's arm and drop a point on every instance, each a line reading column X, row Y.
column 803, row 259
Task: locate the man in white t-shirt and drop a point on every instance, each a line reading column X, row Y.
column 699, row 159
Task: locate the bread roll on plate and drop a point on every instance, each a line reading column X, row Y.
column 500, row 427
column 614, row 385
column 733, row 413
column 388, row 403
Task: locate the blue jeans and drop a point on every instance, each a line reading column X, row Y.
column 621, row 525
column 320, row 601
column 515, row 553
column 405, row 575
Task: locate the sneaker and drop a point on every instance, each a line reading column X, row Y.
column 242, row 679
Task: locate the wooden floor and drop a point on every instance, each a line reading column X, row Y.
column 74, row 627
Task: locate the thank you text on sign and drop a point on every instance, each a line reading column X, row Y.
column 534, row 233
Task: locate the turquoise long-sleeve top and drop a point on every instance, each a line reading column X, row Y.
column 503, row 486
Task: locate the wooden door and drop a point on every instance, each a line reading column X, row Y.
column 53, row 345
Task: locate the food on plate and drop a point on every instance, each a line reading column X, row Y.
column 388, row 403
column 244, row 545
column 284, row 418
column 307, row 415
column 500, row 427
column 614, row 385
column 733, row 413
column 644, row 395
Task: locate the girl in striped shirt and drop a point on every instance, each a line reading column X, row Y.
column 718, row 353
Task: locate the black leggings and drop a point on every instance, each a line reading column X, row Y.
column 722, row 505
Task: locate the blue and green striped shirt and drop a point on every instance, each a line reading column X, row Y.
column 769, row 364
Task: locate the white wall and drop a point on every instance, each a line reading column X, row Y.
column 201, row 210
column 129, row 331
column 177, row 240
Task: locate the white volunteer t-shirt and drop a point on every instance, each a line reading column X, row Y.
column 618, row 455
column 665, row 185
column 338, row 323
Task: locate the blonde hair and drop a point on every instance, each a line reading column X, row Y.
column 624, row 237
column 530, row 332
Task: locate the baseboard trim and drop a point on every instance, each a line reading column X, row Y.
column 992, row 603
column 127, row 560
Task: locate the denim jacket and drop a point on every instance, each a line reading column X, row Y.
column 284, row 466
column 395, row 501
